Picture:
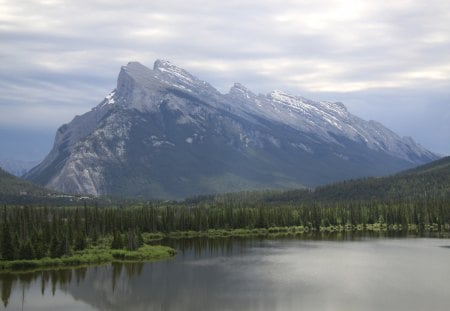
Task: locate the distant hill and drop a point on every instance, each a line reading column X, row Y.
column 17, row 191
column 430, row 180
column 12, row 185
column 17, row 167
column 439, row 168
column 424, row 182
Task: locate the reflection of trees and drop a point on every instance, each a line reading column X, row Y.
column 116, row 272
column 44, row 279
column 7, row 283
column 116, row 287
column 166, row 285
column 48, row 281
column 48, row 278
column 132, row 269
column 80, row 275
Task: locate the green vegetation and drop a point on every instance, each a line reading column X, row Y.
column 414, row 201
column 35, row 237
column 10, row 185
column 91, row 256
column 39, row 232
column 422, row 183
column 17, row 190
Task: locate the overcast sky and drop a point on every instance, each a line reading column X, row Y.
column 385, row 60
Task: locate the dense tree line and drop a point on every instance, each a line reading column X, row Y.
column 36, row 232
column 427, row 181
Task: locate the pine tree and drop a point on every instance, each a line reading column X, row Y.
column 55, row 249
column 131, row 241
column 139, row 239
column 94, row 236
column 64, row 245
column 80, row 241
column 39, row 246
column 117, row 242
column 26, row 250
column 8, row 250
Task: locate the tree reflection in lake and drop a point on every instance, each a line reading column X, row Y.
column 251, row 274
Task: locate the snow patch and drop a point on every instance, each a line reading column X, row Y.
column 158, row 142
column 109, row 99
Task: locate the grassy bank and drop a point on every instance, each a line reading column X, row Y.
column 92, row 256
column 295, row 230
column 102, row 253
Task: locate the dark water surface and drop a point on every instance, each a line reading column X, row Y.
column 251, row 274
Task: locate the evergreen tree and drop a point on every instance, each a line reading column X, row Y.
column 117, row 242
column 55, row 247
column 139, row 239
column 64, row 246
column 131, row 241
column 40, row 250
column 26, row 250
column 80, row 241
column 8, row 249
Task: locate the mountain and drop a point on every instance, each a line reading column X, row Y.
column 17, row 167
column 165, row 133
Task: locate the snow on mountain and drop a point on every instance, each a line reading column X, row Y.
column 328, row 120
column 163, row 132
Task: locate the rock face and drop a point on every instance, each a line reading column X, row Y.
column 164, row 133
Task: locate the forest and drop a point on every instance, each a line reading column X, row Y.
column 36, row 232
column 415, row 201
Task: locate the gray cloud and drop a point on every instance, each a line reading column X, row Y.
column 384, row 60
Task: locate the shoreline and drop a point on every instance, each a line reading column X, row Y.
column 90, row 257
column 151, row 252
column 297, row 230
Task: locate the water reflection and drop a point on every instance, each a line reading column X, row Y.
column 350, row 272
column 46, row 280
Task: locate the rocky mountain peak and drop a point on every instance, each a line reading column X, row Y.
column 180, row 78
column 164, row 66
column 239, row 90
column 137, row 71
column 165, row 133
column 176, row 74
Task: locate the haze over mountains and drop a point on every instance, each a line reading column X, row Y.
column 16, row 190
column 163, row 133
column 17, row 167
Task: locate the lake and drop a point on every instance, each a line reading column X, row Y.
column 252, row 274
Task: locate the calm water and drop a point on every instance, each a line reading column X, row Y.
column 366, row 274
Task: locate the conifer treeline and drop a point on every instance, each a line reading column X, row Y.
column 36, row 232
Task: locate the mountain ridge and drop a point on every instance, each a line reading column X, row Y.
column 164, row 133
column 430, row 181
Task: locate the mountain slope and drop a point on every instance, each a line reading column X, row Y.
column 425, row 182
column 165, row 133
column 12, row 185
column 19, row 192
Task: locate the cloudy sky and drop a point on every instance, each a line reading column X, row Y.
column 387, row 61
